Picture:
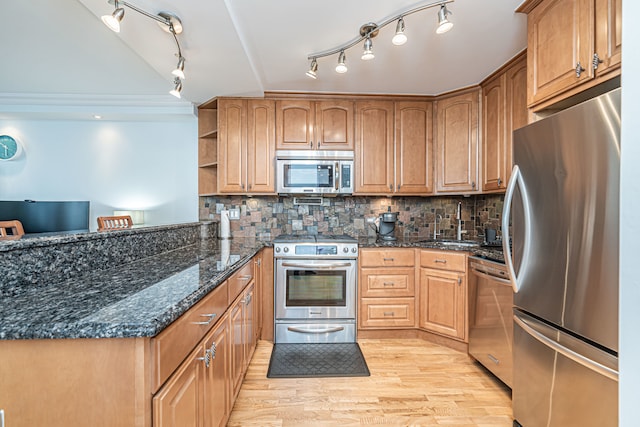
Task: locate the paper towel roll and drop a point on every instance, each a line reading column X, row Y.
column 225, row 230
column 225, row 252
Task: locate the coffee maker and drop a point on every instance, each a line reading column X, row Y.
column 386, row 224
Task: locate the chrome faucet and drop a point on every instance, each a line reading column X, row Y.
column 435, row 227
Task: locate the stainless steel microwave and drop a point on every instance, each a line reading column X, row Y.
column 314, row 172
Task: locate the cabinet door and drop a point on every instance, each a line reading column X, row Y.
column 608, row 35
column 261, row 144
column 493, row 134
column 374, row 147
column 249, row 325
column 443, row 302
column 236, row 321
column 294, row 125
column 334, row 125
column 217, row 385
column 414, row 148
column 457, row 143
column 560, row 35
column 232, row 145
column 517, row 110
column 179, row 403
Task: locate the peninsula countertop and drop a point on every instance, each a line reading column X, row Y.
column 137, row 299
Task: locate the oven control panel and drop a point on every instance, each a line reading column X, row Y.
column 315, row 250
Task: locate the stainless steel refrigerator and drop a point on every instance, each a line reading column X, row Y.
column 563, row 260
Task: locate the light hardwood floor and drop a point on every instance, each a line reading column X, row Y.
column 412, row 383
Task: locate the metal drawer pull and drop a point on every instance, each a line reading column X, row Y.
column 249, row 277
column 389, row 284
column 388, row 259
column 206, row 358
column 493, row 359
column 212, row 350
column 389, row 313
column 444, row 261
column 210, row 316
column 315, row 331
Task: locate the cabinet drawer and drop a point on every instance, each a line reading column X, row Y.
column 387, row 312
column 173, row 344
column 387, row 258
column 454, row 261
column 387, row 282
column 239, row 280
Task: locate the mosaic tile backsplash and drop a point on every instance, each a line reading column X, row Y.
column 267, row 217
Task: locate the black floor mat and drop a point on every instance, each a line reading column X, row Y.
column 317, row 360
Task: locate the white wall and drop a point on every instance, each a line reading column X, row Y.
column 630, row 219
column 115, row 165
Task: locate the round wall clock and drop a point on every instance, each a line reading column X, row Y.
column 9, row 147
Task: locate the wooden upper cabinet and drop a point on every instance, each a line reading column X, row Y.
column 457, row 143
column 494, row 134
column 314, row 125
column 608, row 35
column 504, row 109
column 564, row 39
column 374, row 165
column 414, row 148
column 334, row 125
column 232, row 145
column 246, row 146
column 261, row 143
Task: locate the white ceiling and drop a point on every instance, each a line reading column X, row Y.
column 60, row 57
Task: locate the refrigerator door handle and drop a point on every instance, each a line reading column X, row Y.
column 516, row 179
column 567, row 352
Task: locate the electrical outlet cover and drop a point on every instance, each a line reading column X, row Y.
column 234, row 213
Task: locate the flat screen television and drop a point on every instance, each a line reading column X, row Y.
column 47, row 217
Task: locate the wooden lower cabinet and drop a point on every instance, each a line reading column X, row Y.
column 243, row 320
column 443, row 302
column 387, row 312
column 198, row 394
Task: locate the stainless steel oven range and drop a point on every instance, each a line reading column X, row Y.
column 315, row 289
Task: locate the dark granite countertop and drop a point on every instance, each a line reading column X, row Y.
column 138, row 299
column 474, row 248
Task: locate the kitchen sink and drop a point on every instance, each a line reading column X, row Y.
column 457, row 243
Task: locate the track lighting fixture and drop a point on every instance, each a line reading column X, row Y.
column 341, row 67
column 179, row 71
column 313, row 69
column 177, row 89
column 444, row 24
column 370, row 30
column 400, row 38
column 169, row 22
column 367, row 52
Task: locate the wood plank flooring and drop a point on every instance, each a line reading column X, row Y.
column 413, row 383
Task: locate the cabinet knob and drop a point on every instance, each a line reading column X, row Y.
column 596, row 61
column 579, row 69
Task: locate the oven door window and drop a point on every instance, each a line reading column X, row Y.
column 309, row 288
column 308, row 175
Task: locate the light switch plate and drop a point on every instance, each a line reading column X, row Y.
column 219, row 207
column 234, row 213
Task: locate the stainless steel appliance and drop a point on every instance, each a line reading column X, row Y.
column 563, row 199
column 314, row 172
column 491, row 317
column 386, row 225
column 315, row 289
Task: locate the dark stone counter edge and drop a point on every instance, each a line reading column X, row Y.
column 35, row 241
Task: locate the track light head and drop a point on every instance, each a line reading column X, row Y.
column 113, row 21
column 400, row 38
column 341, row 67
column 179, row 71
column 313, row 69
column 177, row 89
column 367, row 53
column 444, row 24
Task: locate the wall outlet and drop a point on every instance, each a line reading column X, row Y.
column 234, row 213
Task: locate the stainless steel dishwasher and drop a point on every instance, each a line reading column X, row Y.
column 491, row 317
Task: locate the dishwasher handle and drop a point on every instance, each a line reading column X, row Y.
column 490, row 276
